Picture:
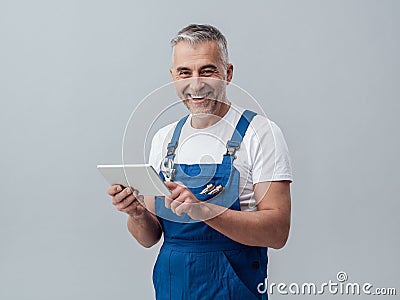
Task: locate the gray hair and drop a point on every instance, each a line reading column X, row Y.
column 195, row 34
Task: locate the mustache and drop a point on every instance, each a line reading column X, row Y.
column 199, row 93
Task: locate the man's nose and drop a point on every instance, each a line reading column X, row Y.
column 196, row 83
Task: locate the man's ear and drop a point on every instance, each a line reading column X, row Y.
column 229, row 73
column 170, row 72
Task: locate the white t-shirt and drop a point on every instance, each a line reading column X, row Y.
column 263, row 154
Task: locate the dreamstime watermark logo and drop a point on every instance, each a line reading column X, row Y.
column 340, row 286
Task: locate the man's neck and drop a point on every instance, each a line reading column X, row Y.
column 201, row 121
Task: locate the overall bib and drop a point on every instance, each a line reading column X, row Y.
column 196, row 261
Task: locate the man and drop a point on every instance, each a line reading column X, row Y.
column 230, row 200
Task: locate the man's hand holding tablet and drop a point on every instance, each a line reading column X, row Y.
column 126, row 183
column 142, row 224
column 126, row 199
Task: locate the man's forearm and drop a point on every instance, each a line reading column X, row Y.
column 265, row 228
column 145, row 229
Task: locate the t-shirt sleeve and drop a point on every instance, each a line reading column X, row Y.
column 159, row 145
column 155, row 156
column 271, row 160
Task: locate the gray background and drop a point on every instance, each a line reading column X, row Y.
column 71, row 73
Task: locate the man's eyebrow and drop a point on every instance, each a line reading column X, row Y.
column 209, row 66
column 182, row 69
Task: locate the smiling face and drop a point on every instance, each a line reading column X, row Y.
column 200, row 77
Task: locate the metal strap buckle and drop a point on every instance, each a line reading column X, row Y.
column 171, row 151
column 171, row 148
column 232, row 147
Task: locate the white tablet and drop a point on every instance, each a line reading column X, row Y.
column 141, row 177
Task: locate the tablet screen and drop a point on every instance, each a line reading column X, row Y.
column 142, row 177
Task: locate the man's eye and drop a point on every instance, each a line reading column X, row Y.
column 184, row 73
column 207, row 72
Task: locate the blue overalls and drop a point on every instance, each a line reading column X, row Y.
column 196, row 261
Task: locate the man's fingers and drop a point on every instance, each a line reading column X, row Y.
column 179, row 195
column 126, row 202
column 135, row 193
column 177, row 191
column 168, row 202
column 171, row 184
column 183, row 208
column 114, row 189
column 141, row 198
column 122, row 195
column 174, row 204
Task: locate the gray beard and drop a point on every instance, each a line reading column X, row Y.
column 203, row 108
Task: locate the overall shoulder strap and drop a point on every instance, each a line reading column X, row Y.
column 175, row 138
column 241, row 127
